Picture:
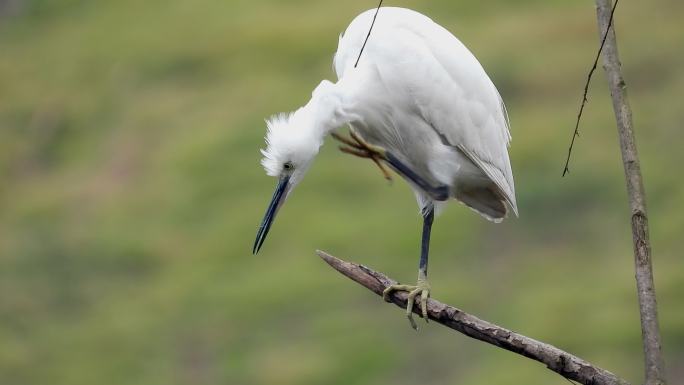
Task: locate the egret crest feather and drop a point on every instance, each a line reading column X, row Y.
column 288, row 139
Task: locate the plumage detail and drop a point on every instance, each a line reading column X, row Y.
column 279, row 141
column 290, row 139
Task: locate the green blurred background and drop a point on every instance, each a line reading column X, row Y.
column 131, row 190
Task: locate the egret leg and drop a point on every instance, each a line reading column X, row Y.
column 438, row 193
column 359, row 147
column 421, row 288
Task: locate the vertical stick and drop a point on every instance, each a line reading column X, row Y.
column 655, row 372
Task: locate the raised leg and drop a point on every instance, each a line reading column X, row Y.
column 422, row 287
column 359, row 147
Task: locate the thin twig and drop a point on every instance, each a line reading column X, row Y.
column 566, row 169
column 368, row 36
column 559, row 361
column 648, row 309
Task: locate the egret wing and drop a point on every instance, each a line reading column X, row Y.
column 455, row 95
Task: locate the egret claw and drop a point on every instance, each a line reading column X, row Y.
column 355, row 145
column 422, row 288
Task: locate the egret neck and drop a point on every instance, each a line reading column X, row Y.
column 293, row 141
column 325, row 112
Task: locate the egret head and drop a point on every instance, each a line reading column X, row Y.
column 291, row 146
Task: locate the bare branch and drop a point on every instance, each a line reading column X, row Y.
column 655, row 368
column 559, row 361
column 575, row 134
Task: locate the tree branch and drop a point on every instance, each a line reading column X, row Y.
column 559, row 361
column 655, row 368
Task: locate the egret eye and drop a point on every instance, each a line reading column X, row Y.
column 288, row 166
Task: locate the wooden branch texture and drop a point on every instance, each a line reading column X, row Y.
column 655, row 371
column 559, row 361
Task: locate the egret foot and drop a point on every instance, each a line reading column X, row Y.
column 359, row 147
column 422, row 288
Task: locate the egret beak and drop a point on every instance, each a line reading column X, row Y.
column 277, row 201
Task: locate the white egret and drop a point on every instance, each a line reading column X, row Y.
column 418, row 101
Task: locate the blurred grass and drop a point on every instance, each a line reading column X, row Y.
column 130, row 192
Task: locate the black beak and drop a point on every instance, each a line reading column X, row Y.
column 277, row 201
